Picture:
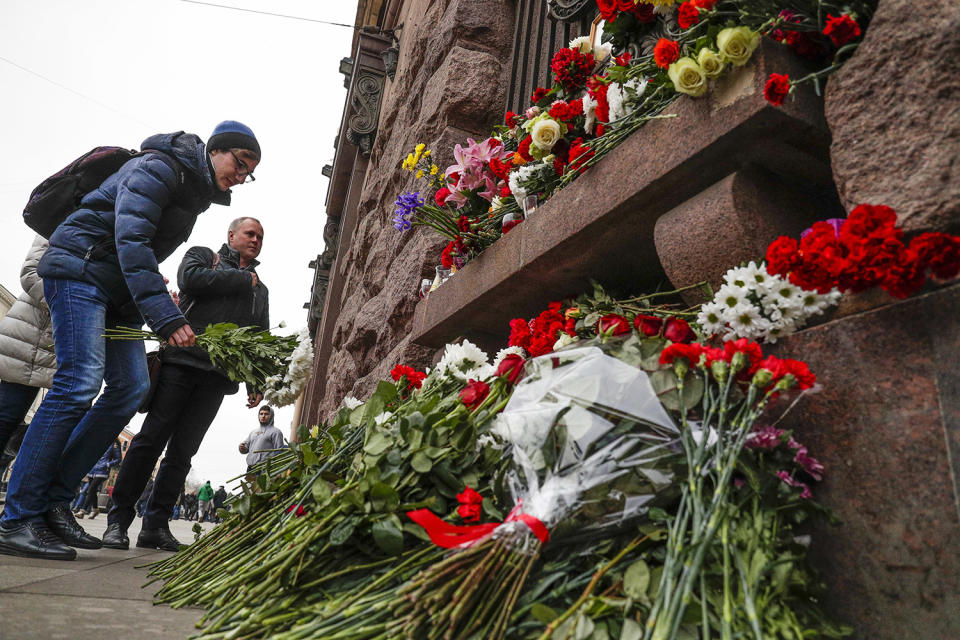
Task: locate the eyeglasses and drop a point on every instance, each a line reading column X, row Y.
column 243, row 170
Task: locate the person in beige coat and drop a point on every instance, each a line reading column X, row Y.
column 27, row 362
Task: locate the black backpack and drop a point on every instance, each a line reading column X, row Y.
column 58, row 196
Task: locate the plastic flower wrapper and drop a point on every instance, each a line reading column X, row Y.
column 592, row 448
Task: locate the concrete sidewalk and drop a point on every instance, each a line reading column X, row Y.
column 98, row 596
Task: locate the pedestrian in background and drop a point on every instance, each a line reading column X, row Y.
column 264, row 441
column 98, row 475
column 205, row 499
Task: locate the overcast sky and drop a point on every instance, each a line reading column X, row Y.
column 169, row 65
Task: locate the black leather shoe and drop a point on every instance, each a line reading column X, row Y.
column 115, row 537
column 34, row 540
column 62, row 522
column 159, row 538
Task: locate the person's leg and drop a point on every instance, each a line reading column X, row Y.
column 93, row 490
column 15, row 401
column 170, row 400
column 127, row 382
column 78, row 313
column 204, row 403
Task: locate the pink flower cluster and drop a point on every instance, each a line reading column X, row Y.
column 472, row 170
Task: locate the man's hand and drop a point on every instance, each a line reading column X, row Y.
column 243, row 447
column 254, row 399
column 254, row 280
column 174, row 296
column 183, row 337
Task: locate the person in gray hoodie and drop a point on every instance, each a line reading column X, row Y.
column 263, row 442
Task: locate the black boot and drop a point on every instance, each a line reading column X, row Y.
column 159, row 538
column 34, row 540
column 115, row 537
column 62, row 522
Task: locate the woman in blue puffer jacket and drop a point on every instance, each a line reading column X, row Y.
column 101, row 271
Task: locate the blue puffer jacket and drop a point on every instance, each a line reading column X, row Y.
column 110, row 458
column 134, row 221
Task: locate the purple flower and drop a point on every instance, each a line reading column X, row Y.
column 810, row 464
column 765, row 438
column 407, row 204
column 806, row 494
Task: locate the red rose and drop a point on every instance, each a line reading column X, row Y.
column 440, row 197
column 648, row 325
column 643, row 12
column 690, row 352
column 666, row 52
column 677, row 330
column 508, row 225
column 613, row 324
column 511, row 367
column 519, row 333
column 539, row 94
column 474, row 393
column 687, row 15
column 706, row 5
column 300, row 510
column 608, row 9
column 777, row 88
column 841, row 30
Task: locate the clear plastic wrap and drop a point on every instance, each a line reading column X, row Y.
column 592, row 445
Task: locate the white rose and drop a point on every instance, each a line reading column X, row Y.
column 710, row 62
column 545, row 134
column 736, row 45
column 688, row 77
column 602, row 51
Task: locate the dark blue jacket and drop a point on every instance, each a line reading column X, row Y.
column 131, row 223
column 110, row 458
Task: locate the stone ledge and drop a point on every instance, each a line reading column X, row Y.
column 602, row 225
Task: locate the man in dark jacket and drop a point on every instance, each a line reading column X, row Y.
column 214, row 287
column 101, row 272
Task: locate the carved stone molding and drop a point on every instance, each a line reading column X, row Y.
column 362, row 126
column 322, row 268
column 570, row 10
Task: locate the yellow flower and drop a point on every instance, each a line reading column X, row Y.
column 710, row 62
column 434, row 170
column 419, row 148
column 419, row 174
column 409, row 163
column 688, row 77
column 736, row 45
column 314, row 431
column 426, row 154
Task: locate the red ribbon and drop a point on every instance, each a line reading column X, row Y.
column 449, row 536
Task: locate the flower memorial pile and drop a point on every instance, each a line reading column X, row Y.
column 560, row 494
column 278, row 365
column 604, row 92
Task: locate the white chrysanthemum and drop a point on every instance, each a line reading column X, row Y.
column 514, row 181
column 729, row 296
column 351, row 403
column 503, row 353
column 812, row 303
column 284, row 391
column 581, row 44
column 382, row 418
column 740, row 276
column 619, row 97
column 589, row 112
column 462, row 361
column 746, row 321
column 711, row 318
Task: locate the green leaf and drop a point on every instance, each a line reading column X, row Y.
column 321, row 491
column 543, row 613
column 631, row 630
column 415, row 439
column 421, row 463
column 376, row 443
column 636, row 580
column 383, row 497
column 342, row 532
column 665, row 384
column 309, row 457
column 388, row 534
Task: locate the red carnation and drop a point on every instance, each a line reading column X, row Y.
column 539, row 94
column 783, row 255
column 440, row 197
column 777, row 88
column 519, row 333
column 677, row 330
column 751, row 350
column 500, row 168
column 691, row 352
column 666, row 52
column 505, row 191
column 623, row 59
column 474, row 393
column 445, row 258
column 938, row 252
column 613, row 324
column 805, row 379
column 841, row 30
column 510, row 119
column 524, row 149
column 300, row 510
column 706, row 5
column 572, row 68
column 579, row 155
column 648, row 325
column 687, row 15
column 414, row 378
column 512, row 367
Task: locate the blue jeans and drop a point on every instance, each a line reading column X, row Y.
column 15, row 401
column 69, row 433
